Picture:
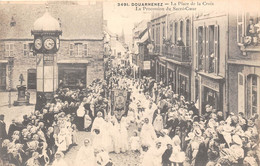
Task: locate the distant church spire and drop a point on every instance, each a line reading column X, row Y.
column 122, row 37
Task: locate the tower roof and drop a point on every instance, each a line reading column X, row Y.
column 46, row 23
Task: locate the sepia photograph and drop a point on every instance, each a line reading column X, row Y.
column 129, row 83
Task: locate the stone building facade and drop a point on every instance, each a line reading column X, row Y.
column 80, row 57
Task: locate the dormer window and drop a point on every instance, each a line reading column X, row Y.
column 13, row 22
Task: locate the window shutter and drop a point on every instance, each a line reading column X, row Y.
column 85, row 52
column 204, row 47
column 71, row 48
column 197, row 50
column 80, row 53
column 207, row 49
column 241, row 92
column 11, row 49
column 216, row 48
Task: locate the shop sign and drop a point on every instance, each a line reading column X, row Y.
column 210, row 84
column 147, row 65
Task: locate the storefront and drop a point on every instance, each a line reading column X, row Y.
column 171, row 75
column 211, row 93
column 72, row 75
column 161, row 71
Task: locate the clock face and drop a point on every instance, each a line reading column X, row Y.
column 57, row 43
column 38, row 44
column 49, row 44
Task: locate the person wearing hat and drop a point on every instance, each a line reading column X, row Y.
column 85, row 155
column 59, row 159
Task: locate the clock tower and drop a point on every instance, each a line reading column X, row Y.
column 46, row 31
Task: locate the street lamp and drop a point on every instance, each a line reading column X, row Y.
column 10, row 71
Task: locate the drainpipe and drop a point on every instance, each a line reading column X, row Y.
column 226, row 68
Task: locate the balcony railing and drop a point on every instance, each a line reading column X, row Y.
column 179, row 53
column 157, row 48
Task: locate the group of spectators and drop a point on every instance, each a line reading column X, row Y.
column 49, row 131
column 171, row 130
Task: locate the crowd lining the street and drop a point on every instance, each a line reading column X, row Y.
column 169, row 129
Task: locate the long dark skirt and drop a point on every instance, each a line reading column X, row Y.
column 80, row 123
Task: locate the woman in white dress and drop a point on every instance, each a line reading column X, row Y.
column 61, row 140
column 85, row 155
column 147, row 134
column 97, row 130
column 124, row 134
column 59, row 159
column 158, row 122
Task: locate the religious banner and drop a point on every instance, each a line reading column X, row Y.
column 119, row 103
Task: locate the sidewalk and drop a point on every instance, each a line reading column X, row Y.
column 15, row 112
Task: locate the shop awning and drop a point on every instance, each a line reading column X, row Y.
column 144, row 38
column 77, row 61
column 3, row 61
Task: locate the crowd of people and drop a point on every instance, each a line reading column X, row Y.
column 172, row 132
column 169, row 129
column 44, row 136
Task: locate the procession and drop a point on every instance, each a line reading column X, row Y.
column 168, row 131
column 102, row 83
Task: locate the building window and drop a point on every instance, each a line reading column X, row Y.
column 181, row 30
column 199, row 48
column 9, row 49
column 212, row 49
column 175, row 32
column 163, row 33
column 25, row 51
column 85, row 50
column 188, row 33
column 71, row 47
column 184, row 86
column 171, row 27
column 2, row 50
column 252, row 95
column 248, row 28
column 153, row 32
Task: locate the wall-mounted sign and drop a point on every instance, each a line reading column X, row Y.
column 147, row 65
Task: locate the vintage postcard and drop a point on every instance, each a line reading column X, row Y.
column 129, row 83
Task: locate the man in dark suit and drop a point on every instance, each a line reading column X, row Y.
column 3, row 134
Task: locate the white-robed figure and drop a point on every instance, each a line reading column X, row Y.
column 59, row 159
column 158, row 122
column 61, row 140
column 85, row 155
column 157, row 153
column 147, row 134
column 121, row 135
column 177, row 156
column 97, row 130
column 106, row 136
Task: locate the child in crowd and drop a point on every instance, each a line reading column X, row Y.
column 135, row 142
